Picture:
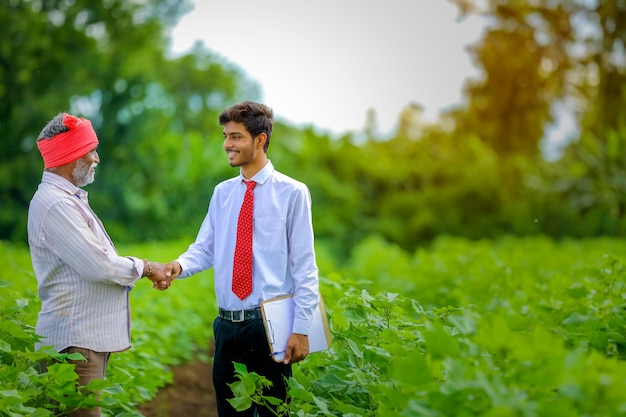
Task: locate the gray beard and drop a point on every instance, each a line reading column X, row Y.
column 82, row 173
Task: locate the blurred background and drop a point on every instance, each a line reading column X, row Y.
column 482, row 168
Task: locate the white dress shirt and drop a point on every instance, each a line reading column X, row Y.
column 82, row 282
column 283, row 244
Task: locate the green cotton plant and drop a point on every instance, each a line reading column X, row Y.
column 391, row 357
column 249, row 389
column 386, row 349
column 588, row 310
column 514, row 327
column 60, row 386
column 353, row 377
column 24, row 391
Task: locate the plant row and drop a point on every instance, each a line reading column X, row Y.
column 513, row 327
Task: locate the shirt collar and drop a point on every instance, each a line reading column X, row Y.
column 263, row 175
column 63, row 184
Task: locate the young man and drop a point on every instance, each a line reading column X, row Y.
column 274, row 257
column 83, row 283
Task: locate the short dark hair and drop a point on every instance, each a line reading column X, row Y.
column 256, row 117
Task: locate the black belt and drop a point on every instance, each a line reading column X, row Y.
column 241, row 315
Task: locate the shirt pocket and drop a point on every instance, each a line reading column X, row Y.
column 270, row 235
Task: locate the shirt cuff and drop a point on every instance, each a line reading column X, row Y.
column 301, row 326
column 186, row 273
column 138, row 267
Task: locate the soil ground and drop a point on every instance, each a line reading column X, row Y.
column 191, row 394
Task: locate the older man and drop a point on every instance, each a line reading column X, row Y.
column 83, row 283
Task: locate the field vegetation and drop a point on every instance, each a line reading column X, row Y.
column 510, row 327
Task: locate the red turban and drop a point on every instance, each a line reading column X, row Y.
column 68, row 146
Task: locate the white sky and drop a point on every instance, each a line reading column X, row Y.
column 326, row 62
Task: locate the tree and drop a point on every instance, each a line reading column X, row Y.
column 107, row 61
column 536, row 53
column 524, row 59
column 591, row 176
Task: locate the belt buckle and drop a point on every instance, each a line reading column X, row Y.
column 241, row 318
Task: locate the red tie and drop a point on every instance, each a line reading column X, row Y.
column 242, row 263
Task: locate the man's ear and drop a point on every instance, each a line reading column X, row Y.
column 261, row 138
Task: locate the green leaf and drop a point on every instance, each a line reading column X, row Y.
column 75, row 356
column 10, row 393
column 378, row 351
column 13, row 329
column 412, row 370
column 98, row 385
column 114, row 389
column 240, row 403
column 5, row 346
column 332, row 383
column 41, row 412
column 301, row 394
column 464, row 323
column 240, row 368
column 243, row 388
column 354, row 348
column 62, row 372
column 272, row 400
column 439, row 343
column 346, row 408
column 322, row 405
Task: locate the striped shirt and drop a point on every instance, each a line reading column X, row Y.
column 283, row 244
column 83, row 283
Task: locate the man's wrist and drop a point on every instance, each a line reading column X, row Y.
column 180, row 266
column 147, row 268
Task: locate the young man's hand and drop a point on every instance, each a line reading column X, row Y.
column 297, row 348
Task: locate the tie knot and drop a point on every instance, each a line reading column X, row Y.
column 250, row 184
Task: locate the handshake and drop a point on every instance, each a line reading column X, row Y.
column 160, row 274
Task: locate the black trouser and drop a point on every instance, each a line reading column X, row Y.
column 244, row 342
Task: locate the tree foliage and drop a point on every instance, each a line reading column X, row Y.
column 523, row 56
column 107, row 61
column 535, row 55
column 476, row 172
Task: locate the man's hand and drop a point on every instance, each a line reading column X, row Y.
column 173, row 270
column 157, row 275
column 297, row 348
